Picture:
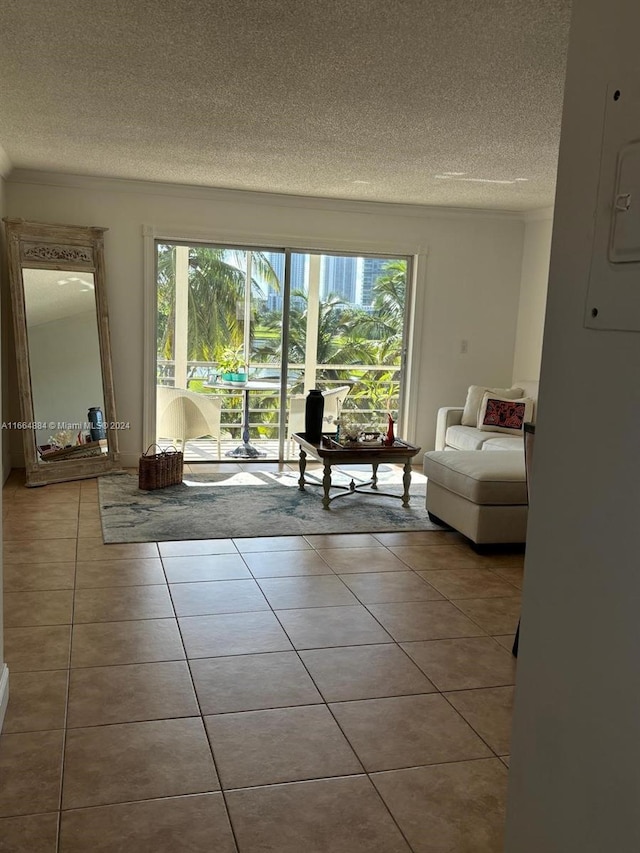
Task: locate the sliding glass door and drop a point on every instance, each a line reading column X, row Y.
column 284, row 321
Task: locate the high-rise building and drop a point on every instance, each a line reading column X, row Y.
column 372, row 268
column 299, row 264
column 338, row 275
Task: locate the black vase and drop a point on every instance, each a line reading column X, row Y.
column 314, row 409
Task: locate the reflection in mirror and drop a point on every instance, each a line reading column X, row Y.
column 56, row 275
column 64, row 354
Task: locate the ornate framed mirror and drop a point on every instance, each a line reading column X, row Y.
column 57, row 282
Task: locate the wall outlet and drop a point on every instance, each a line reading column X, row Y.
column 464, row 346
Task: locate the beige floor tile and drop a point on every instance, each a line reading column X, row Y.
column 30, row 772
column 495, row 615
column 90, row 512
column 112, row 643
column 346, row 561
column 275, row 564
column 506, row 760
column 414, row 537
column 40, row 551
column 20, row 577
column 29, row 528
column 196, row 547
column 282, row 745
column 122, row 603
column 323, row 627
column 211, row 597
column 205, row 567
column 513, row 574
column 232, row 634
column 315, row 591
column 136, row 761
column 125, row 694
column 406, row 731
column 379, row 587
column 29, row 834
column 95, row 549
column 506, row 640
column 423, row 620
column 37, row 701
column 342, row 540
column 364, row 672
column 252, row 682
column 469, row 583
column 463, row 664
column 89, row 528
column 448, row 807
column 51, row 607
column 106, row 573
column 488, row 711
column 438, row 557
column 39, row 648
column 193, row 823
column 40, row 512
column 271, row 543
column 337, row 815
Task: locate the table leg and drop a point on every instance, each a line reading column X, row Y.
column 374, row 475
column 245, row 426
column 406, row 482
column 302, row 464
column 245, row 450
column 326, row 482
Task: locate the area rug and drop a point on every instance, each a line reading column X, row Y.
column 216, row 506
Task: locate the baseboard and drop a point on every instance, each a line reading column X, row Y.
column 4, row 693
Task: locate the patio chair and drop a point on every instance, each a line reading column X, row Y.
column 333, row 400
column 182, row 415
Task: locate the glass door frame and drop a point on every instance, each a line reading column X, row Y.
column 152, row 240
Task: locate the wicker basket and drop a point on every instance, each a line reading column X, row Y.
column 159, row 470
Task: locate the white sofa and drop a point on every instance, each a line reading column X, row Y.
column 451, row 434
column 482, row 495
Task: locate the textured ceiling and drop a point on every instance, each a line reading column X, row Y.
column 355, row 99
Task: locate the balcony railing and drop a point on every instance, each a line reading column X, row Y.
column 374, row 393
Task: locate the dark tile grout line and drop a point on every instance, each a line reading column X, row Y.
column 204, row 727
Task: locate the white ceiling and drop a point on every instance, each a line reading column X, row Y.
column 354, row 99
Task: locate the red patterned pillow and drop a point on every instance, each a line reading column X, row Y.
column 499, row 414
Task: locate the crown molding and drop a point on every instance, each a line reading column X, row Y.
column 223, row 195
column 5, row 163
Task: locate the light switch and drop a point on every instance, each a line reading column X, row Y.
column 624, row 247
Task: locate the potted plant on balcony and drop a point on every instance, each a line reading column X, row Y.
column 231, row 366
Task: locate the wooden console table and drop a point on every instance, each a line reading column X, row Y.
column 330, row 452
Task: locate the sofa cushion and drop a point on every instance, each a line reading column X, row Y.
column 504, row 442
column 467, row 438
column 474, row 401
column 482, row 478
column 502, row 414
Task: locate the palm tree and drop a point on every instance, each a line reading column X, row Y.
column 215, row 298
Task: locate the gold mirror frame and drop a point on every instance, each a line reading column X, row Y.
column 36, row 246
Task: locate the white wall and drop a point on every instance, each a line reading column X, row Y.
column 468, row 287
column 533, row 295
column 575, row 768
column 66, row 379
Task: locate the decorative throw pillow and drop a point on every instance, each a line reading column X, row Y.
column 474, row 401
column 503, row 414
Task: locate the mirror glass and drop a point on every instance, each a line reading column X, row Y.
column 64, row 355
column 60, row 319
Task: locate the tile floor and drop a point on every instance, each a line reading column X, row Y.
column 325, row 694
